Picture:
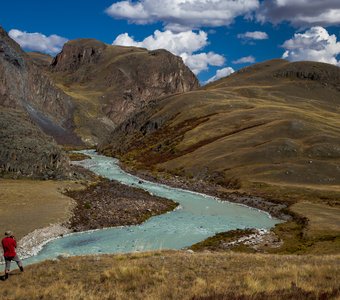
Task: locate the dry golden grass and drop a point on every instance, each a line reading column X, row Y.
column 323, row 219
column 178, row 275
column 265, row 123
column 28, row 204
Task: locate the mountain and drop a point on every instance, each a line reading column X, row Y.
column 275, row 122
column 41, row 60
column 31, row 108
column 26, row 151
column 108, row 83
column 77, row 97
column 24, row 87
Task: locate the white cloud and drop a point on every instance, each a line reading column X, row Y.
column 315, row 44
column 253, row 35
column 181, row 15
column 245, row 60
column 221, row 73
column 300, row 12
column 201, row 61
column 37, row 41
column 176, row 43
column 183, row 44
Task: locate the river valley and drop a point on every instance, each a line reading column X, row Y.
column 197, row 217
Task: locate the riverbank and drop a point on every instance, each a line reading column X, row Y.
column 110, row 203
column 51, row 209
column 100, row 203
column 293, row 204
column 276, row 209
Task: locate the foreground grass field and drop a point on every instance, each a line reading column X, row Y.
column 178, row 275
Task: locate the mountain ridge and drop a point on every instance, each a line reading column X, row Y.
column 252, row 126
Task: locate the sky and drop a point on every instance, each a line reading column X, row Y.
column 213, row 37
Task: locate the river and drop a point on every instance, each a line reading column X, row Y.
column 197, row 217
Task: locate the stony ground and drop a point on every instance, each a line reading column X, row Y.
column 275, row 209
column 110, row 203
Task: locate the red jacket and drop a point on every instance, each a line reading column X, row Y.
column 9, row 244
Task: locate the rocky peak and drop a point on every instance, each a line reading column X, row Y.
column 77, row 53
column 117, row 80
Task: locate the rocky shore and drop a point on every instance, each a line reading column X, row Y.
column 32, row 243
column 110, row 203
column 275, row 209
column 103, row 203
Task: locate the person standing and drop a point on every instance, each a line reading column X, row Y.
column 9, row 245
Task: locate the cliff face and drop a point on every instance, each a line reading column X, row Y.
column 112, row 82
column 25, row 151
column 41, row 60
column 23, row 86
column 29, row 100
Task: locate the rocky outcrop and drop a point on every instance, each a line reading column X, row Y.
column 23, row 86
column 78, row 53
column 319, row 72
column 120, row 80
column 31, row 106
column 41, row 60
column 25, row 151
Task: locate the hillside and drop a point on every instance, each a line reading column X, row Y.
column 25, row 151
column 24, row 87
column 179, row 275
column 41, row 60
column 108, row 83
column 274, row 122
column 77, row 97
column 31, row 109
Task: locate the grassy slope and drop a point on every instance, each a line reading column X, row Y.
column 273, row 129
column 256, row 133
column 178, row 275
column 28, row 204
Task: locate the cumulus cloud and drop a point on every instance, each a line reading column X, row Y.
column 181, row 15
column 245, row 60
column 220, row 74
column 300, row 12
column 37, row 41
column 315, row 44
column 253, row 35
column 176, row 43
column 201, row 61
column 183, row 44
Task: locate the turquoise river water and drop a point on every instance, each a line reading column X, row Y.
column 198, row 217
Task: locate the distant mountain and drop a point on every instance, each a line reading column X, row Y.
column 108, row 83
column 272, row 122
column 77, row 97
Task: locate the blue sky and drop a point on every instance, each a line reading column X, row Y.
column 210, row 35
